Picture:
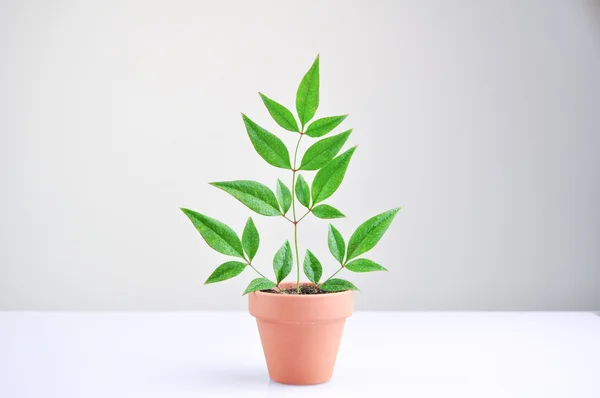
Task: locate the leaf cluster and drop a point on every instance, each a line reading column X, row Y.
column 322, row 157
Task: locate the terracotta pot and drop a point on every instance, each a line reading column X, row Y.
column 300, row 334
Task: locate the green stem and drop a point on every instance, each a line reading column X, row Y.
column 297, row 258
column 259, row 273
column 305, row 214
column 295, row 222
column 334, row 274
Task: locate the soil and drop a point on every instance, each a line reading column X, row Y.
column 292, row 290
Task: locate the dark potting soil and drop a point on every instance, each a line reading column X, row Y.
column 292, row 290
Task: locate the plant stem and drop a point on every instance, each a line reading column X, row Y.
column 295, row 222
column 297, row 258
column 305, row 214
column 259, row 273
column 334, row 274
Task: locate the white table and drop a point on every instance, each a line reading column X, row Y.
column 204, row 354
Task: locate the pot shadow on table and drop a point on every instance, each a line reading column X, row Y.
column 199, row 378
column 248, row 379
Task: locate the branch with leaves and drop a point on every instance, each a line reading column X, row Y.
column 322, row 157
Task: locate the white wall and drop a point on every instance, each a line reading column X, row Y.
column 481, row 118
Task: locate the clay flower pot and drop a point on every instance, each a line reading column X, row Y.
column 300, row 334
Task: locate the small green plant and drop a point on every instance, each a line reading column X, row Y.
column 320, row 157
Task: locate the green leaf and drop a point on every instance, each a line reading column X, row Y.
column 329, row 178
column 302, row 191
column 312, row 267
column 255, row 195
column 280, row 114
column 336, row 243
column 364, row 265
column 282, row 262
column 337, row 285
column 259, row 284
column 326, row 211
column 369, row 233
column 321, row 152
column 216, row 234
column 284, row 196
column 322, row 126
column 268, row 146
column 250, row 239
column 226, row 271
column 307, row 96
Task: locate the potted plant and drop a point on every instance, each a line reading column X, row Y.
column 308, row 316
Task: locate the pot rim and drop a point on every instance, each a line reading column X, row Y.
column 302, row 296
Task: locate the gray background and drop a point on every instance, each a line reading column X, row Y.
column 481, row 118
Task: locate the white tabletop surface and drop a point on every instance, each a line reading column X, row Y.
column 214, row 354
